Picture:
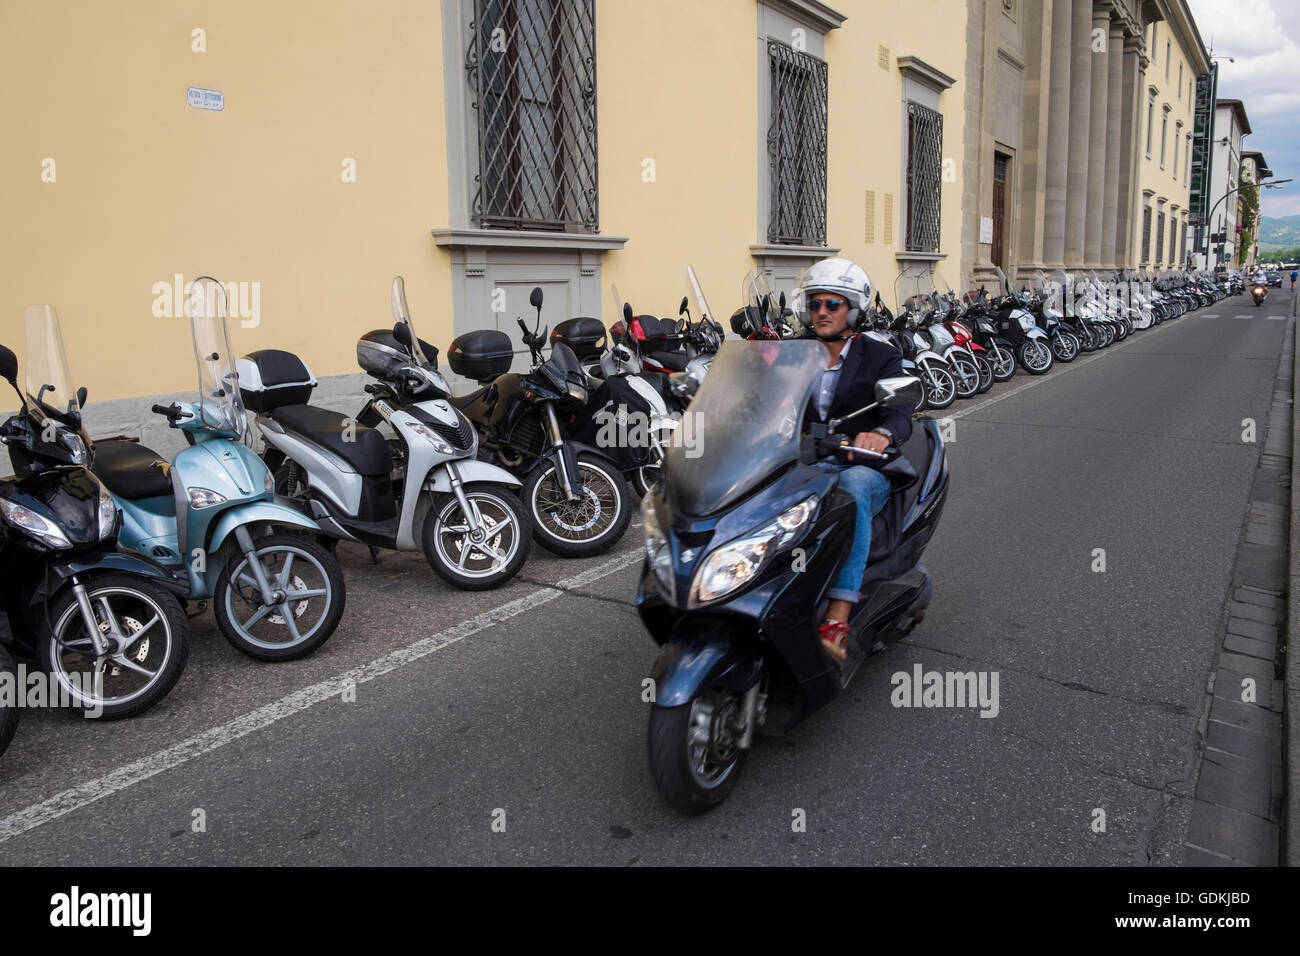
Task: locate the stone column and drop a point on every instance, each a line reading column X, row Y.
column 1114, row 112
column 1076, row 195
column 1058, row 136
column 1036, row 148
column 1098, row 121
column 1129, row 208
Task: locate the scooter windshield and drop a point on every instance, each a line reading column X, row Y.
column 50, row 387
column 219, row 402
column 748, row 417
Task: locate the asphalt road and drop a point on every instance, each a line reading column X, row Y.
column 524, row 705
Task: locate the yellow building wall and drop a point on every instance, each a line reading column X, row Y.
column 687, row 99
column 1162, row 182
column 148, row 186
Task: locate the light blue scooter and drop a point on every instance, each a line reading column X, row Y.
column 211, row 514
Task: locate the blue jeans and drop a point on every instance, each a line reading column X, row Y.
column 870, row 489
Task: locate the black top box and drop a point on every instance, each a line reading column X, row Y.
column 481, row 355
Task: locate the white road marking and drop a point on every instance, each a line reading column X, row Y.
column 1278, row 318
column 171, row 757
column 1243, row 316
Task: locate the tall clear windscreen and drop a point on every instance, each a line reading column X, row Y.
column 50, row 386
column 749, row 416
column 219, row 402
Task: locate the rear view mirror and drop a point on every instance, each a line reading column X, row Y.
column 81, row 397
column 8, row 366
column 535, row 299
column 903, row 391
column 627, row 313
column 681, row 309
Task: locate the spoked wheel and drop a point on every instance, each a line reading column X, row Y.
column 986, row 374
column 1035, row 356
column 923, row 402
column 307, row 598
column 1065, row 347
column 1003, row 361
column 476, row 560
column 9, row 709
column 647, row 476
column 143, row 644
column 966, row 375
column 694, row 757
column 577, row 529
column 941, row 388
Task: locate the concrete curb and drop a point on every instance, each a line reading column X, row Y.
column 1290, row 726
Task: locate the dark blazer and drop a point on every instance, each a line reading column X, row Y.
column 869, row 361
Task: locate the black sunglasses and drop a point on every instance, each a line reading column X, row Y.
column 832, row 305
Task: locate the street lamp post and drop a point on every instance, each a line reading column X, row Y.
column 1264, row 184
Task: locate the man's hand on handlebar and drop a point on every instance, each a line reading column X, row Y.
column 871, row 441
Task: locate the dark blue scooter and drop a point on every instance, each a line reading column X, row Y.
column 742, row 544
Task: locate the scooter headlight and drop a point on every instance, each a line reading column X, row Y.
column 204, row 498
column 656, row 546
column 735, row 565
column 39, row 527
column 107, row 515
column 434, row 439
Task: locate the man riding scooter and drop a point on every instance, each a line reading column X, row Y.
column 831, row 299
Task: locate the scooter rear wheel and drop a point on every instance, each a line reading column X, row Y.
column 693, row 754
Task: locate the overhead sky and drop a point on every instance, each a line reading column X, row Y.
column 1263, row 38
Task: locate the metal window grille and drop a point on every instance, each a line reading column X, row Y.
column 1146, row 235
column 924, row 177
column 1173, row 240
column 532, row 71
column 1160, row 239
column 1182, row 258
column 796, row 147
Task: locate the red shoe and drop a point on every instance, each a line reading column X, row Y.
column 835, row 640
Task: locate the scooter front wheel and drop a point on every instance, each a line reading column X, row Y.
column 1003, row 361
column 965, row 375
column 482, row 559
column 1035, row 356
column 941, row 387
column 9, row 710
column 986, row 374
column 694, row 757
column 306, row 603
column 585, row 527
column 144, row 645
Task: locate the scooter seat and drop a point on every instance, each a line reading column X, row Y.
column 365, row 449
column 676, row 361
column 132, row 471
column 465, row 401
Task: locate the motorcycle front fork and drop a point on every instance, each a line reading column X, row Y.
column 91, row 622
column 557, row 445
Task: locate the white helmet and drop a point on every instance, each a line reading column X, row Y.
column 833, row 275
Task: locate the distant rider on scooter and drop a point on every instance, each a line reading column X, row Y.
column 831, row 299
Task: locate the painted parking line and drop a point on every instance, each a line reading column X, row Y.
column 1243, row 316
column 1278, row 318
column 174, row 756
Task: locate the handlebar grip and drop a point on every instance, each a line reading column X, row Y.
column 167, row 410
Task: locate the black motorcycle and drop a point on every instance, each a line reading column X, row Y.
column 742, row 545
column 573, row 493
column 105, row 625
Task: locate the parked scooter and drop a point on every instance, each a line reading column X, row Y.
column 422, row 489
column 573, row 493
column 1016, row 324
column 105, row 625
column 733, row 612
column 211, row 515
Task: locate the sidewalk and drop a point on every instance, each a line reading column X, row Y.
column 1290, row 727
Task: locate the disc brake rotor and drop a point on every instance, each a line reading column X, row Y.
column 299, row 609
column 129, row 626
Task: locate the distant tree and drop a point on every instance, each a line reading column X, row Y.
column 1247, row 214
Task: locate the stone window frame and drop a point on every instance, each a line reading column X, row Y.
column 922, row 84
column 1178, row 138
column 1187, row 159
column 777, row 20
column 483, row 260
column 1151, row 117
column 1164, row 134
column 1148, row 215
